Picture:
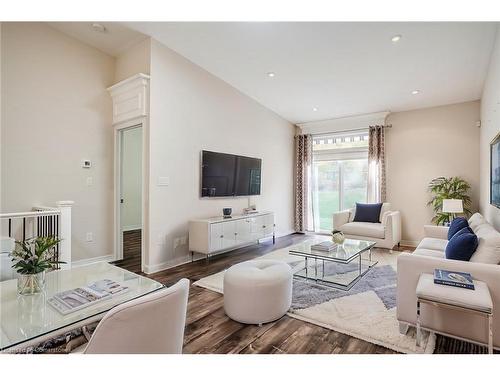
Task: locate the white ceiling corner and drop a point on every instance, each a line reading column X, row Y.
column 113, row 41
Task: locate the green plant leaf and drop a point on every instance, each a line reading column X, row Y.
column 34, row 255
column 448, row 188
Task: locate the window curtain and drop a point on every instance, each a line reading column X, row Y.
column 376, row 164
column 303, row 158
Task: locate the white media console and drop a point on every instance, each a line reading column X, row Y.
column 213, row 235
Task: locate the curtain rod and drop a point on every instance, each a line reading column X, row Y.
column 349, row 130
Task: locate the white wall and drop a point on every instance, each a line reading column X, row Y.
column 192, row 110
column 424, row 144
column 490, row 126
column 135, row 59
column 131, row 148
column 55, row 112
column 421, row 145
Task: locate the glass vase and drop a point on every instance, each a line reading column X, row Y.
column 29, row 284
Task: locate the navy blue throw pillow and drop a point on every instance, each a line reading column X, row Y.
column 462, row 245
column 456, row 225
column 368, row 213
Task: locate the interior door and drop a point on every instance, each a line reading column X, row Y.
column 131, row 179
column 129, row 195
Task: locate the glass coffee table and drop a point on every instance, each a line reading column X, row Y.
column 340, row 268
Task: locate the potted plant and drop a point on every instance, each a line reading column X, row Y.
column 31, row 259
column 448, row 188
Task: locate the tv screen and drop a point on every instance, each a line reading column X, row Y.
column 224, row 175
column 495, row 172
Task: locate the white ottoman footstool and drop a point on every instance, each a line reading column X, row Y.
column 258, row 291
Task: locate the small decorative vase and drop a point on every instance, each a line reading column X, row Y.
column 338, row 237
column 29, row 284
column 227, row 213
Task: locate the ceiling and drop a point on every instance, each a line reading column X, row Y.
column 115, row 39
column 339, row 69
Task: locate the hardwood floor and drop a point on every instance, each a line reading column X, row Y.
column 209, row 330
column 131, row 251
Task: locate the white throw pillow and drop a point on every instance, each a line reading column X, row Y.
column 476, row 220
column 488, row 249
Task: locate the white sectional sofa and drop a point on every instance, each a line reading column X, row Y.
column 386, row 234
column 429, row 255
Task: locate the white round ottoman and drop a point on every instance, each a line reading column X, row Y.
column 258, row 291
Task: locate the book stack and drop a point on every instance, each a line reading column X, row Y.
column 453, row 278
column 324, row 246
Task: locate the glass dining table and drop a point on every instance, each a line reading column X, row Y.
column 30, row 320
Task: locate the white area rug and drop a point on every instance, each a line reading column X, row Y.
column 366, row 312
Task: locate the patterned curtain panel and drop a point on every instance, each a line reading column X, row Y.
column 376, row 164
column 303, row 158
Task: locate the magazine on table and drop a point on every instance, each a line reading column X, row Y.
column 453, row 278
column 76, row 299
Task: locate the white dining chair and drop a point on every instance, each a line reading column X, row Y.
column 150, row 324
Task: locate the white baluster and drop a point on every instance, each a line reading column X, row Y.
column 65, row 233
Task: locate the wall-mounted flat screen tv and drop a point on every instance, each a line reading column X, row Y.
column 495, row 172
column 227, row 175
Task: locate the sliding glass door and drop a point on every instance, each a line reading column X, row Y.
column 326, row 192
column 339, row 176
column 354, row 181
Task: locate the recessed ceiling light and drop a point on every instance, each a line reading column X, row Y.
column 415, row 92
column 315, row 109
column 99, row 27
column 396, row 38
column 271, row 74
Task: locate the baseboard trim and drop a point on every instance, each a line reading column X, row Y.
column 284, row 234
column 409, row 243
column 131, row 227
column 149, row 269
column 85, row 262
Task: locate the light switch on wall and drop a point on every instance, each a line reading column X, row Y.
column 89, row 237
column 90, row 181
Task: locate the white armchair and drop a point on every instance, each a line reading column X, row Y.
column 386, row 233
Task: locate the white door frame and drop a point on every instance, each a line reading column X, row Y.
column 117, row 237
